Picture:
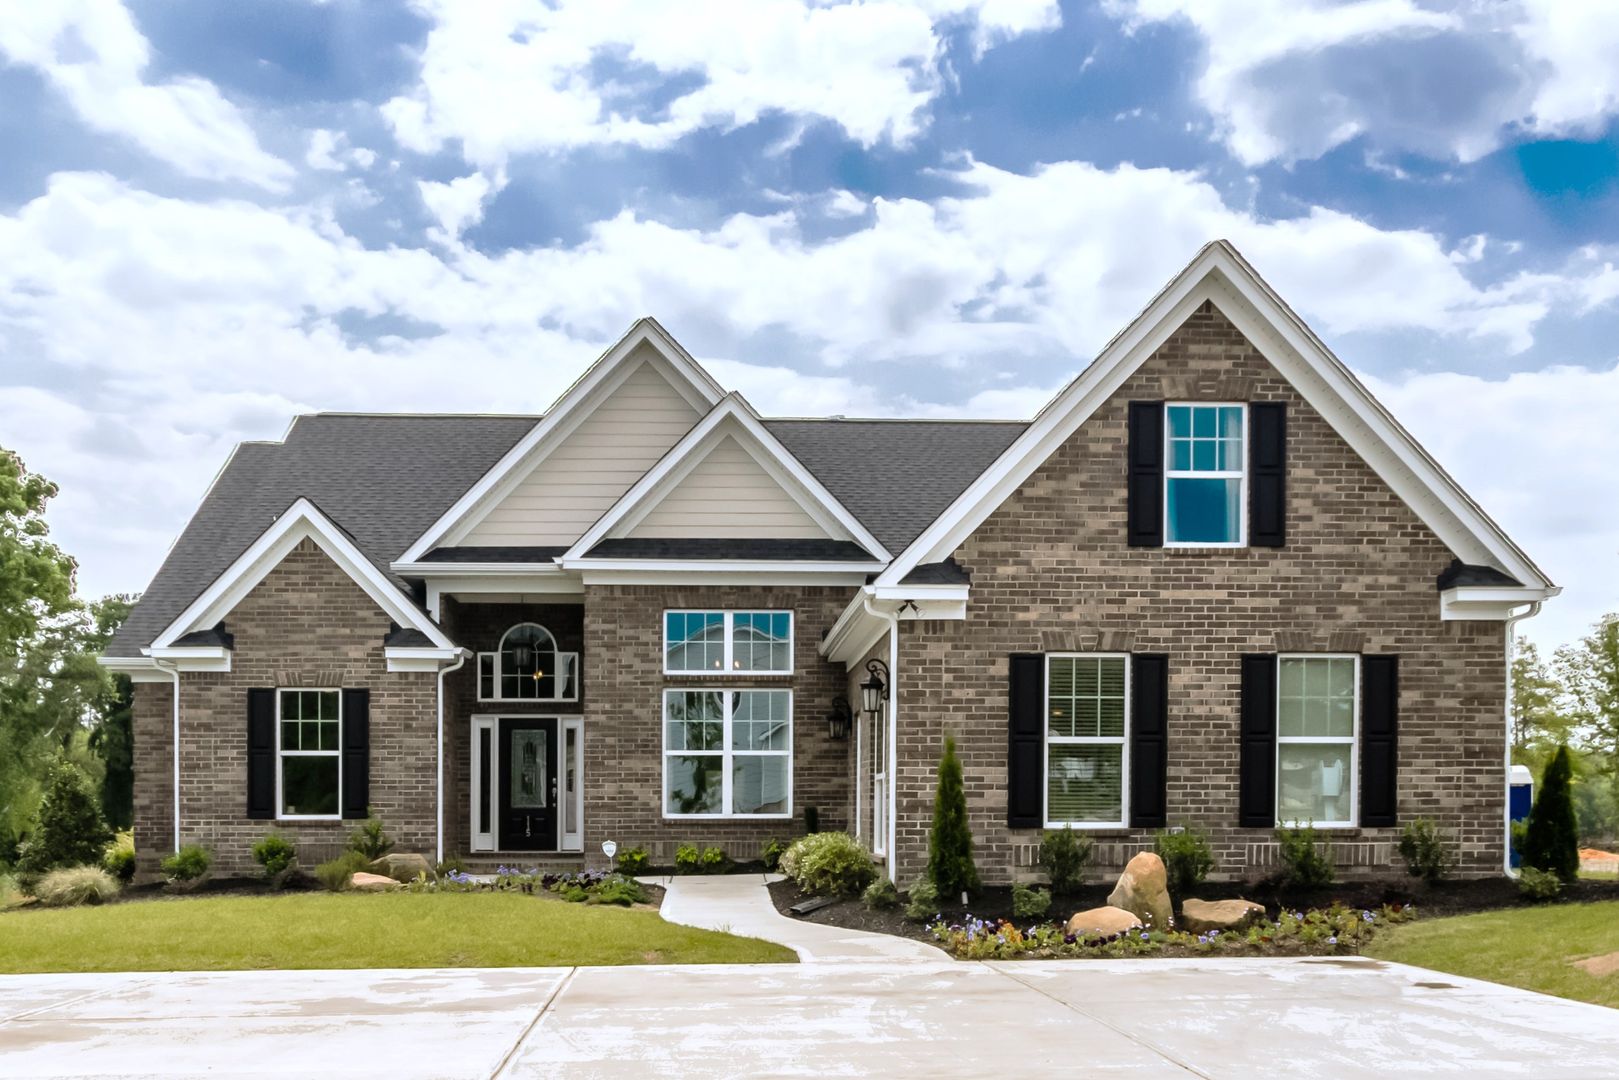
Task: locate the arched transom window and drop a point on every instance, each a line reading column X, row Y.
column 528, row 666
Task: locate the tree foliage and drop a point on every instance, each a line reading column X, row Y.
column 71, row 830
column 1552, row 840
column 1538, row 722
column 1589, row 673
column 950, row 842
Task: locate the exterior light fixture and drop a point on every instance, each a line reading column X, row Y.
column 874, row 691
column 839, row 720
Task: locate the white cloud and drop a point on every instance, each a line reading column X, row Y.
column 459, row 204
column 91, row 52
column 1292, row 79
column 520, row 76
column 329, row 151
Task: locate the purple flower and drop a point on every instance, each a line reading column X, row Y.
column 1333, row 940
column 1367, row 916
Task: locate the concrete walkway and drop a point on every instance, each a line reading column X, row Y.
column 1339, row 1018
column 740, row 904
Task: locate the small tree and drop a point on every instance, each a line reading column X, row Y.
column 1552, row 840
column 950, row 843
column 71, row 830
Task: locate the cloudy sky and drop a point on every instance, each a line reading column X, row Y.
column 215, row 216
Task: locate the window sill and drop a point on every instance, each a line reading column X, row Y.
column 1209, row 549
column 282, row 820
column 728, row 817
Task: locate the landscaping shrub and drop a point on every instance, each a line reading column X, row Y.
column 188, row 865
column 922, row 901
column 1304, row 864
column 451, row 865
column 770, row 854
column 1539, row 885
column 688, row 860
column 618, row 889
column 71, row 886
column 1029, row 903
column 1426, row 853
column 369, row 839
column 71, row 830
column 119, row 860
column 714, row 860
column 634, row 861
column 829, row 864
column 950, row 840
column 276, row 854
column 1187, row 859
column 880, row 895
column 1552, row 841
column 1064, row 854
column 334, row 875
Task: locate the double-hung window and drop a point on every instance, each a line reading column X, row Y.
column 728, row 642
column 309, row 757
column 1087, row 730
column 1317, row 721
column 727, row 753
column 1205, row 479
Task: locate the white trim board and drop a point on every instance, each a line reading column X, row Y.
column 576, row 403
column 1219, row 274
column 301, row 521
column 733, row 417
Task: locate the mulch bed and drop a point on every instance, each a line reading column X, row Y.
column 1446, row 898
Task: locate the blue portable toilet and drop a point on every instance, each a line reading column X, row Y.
column 1520, row 797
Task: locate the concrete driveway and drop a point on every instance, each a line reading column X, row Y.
column 1149, row 1018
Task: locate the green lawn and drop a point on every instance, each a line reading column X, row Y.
column 1528, row 947
column 356, row 930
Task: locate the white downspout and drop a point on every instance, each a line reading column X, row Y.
column 174, row 673
column 889, row 733
column 1506, row 810
column 438, row 785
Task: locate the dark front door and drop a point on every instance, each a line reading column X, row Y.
column 528, row 785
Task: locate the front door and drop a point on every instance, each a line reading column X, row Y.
column 528, row 784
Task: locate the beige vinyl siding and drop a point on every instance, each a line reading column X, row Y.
column 728, row 495
column 577, row 482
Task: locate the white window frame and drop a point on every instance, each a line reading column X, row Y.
column 879, row 783
column 493, row 659
column 1353, row 741
column 1240, row 475
column 726, row 669
column 1047, row 739
column 725, row 753
column 280, row 754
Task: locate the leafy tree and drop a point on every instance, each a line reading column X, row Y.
column 71, row 830
column 950, row 842
column 1589, row 670
column 1552, row 839
column 112, row 733
column 1537, row 721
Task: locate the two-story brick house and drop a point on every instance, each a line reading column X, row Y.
column 1212, row 583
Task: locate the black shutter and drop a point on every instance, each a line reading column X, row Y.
column 1379, row 732
column 1026, row 732
column 261, row 753
column 1267, row 474
column 1145, row 482
column 356, row 753
column 1149, row 740
column 1256, row 778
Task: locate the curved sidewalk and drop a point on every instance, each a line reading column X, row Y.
column 740, row 904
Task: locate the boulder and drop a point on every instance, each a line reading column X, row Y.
column 1102, row 922
column 402, row 866
column 1201, row 916
column 364, row 882
column 1143, row 890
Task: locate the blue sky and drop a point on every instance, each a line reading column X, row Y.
column 214, row 216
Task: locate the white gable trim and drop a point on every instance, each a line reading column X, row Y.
column 1220, row 274
column 731, row 417
column 302, row 520
column 576, row 403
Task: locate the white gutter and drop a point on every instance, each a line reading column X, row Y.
column 438, row 782
column 1506, row 809
column 174, row 673
column 892, row 619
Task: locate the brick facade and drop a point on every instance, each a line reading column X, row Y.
column 1052, row 572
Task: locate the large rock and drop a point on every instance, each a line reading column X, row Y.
column 1143, row 890
column 364, row 882
column 1102, row 922
column 1201, row 916
column 402, row 866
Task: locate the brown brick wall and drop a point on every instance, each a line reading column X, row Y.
column 1051, row 572
column 624, row 683
column 305, row 624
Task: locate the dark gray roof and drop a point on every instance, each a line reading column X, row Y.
column 711, row 548
column 949, row 572
column 896, row 476
column 383, row 479
column 217, row 635
column 493, row 554
column 1460, row 573
column 406, row 637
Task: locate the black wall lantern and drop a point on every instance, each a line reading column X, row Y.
column 874, row 691
column 839, row 720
